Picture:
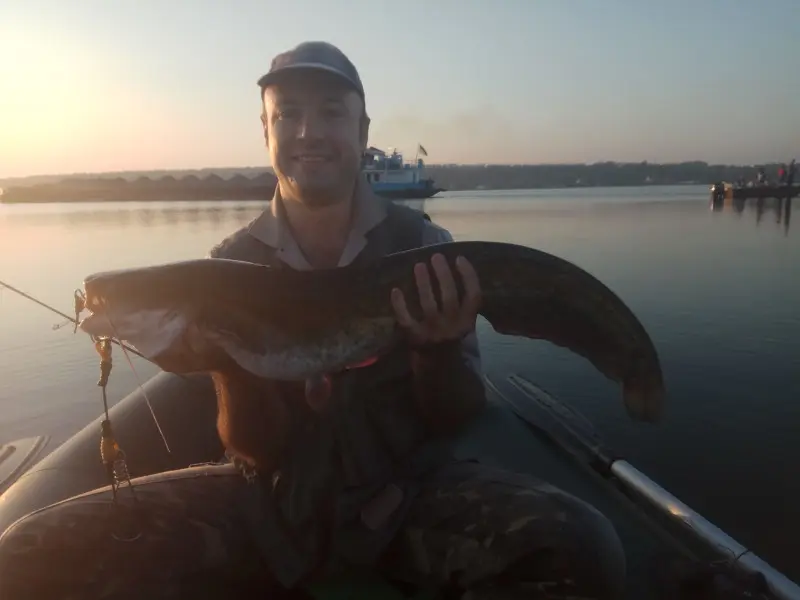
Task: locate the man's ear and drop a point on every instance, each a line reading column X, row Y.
column 365, row 121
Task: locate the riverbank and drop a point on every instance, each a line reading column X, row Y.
column 257, row 183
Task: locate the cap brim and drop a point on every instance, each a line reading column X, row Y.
column 275, row 76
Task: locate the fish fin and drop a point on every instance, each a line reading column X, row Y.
column 644, row 403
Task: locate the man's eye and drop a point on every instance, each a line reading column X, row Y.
column 287, row 113
column 333, row 112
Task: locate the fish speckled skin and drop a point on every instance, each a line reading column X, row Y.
column 286, row 324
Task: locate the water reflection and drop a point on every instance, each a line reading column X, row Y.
column 136, row 215
column 781, row 208
column 123, row 216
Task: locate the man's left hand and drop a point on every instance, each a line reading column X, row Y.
column 451, row 321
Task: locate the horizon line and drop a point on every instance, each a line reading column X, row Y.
column 427, row 165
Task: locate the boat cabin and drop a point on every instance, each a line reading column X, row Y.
column 381, row 167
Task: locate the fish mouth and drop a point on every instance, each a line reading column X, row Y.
column 178, row 342
column 154, row 333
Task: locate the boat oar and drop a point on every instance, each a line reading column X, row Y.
column 571, row 431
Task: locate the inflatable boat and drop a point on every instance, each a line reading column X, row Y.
column 524, row 428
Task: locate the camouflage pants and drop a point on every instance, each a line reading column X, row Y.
column 506, row 535
column 497, row 534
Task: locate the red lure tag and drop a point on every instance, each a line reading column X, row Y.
column 318, row 388
column 366, row 363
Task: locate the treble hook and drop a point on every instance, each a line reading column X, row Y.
column 80, row 305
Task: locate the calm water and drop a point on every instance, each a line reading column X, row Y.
column 719, row 293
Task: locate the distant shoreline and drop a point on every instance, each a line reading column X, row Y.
column 242, row 195
column 131, row 200
column 144, row 189
column 232, row 184
column 250, row 172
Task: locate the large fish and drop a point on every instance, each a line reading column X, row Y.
column 281, row 323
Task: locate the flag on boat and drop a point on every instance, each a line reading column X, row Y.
column 421, row 150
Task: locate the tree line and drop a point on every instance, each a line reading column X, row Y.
column 603, row 174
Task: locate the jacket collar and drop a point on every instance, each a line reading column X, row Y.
column 271, row 227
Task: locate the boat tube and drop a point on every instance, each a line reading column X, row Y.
column 524, row 429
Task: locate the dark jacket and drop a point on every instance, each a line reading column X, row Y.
column 380, row 432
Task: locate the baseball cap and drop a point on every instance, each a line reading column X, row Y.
column 319, row 56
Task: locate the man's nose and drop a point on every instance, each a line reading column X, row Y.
column 311, row 126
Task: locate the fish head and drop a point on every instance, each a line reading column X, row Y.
column 150, row 310
column 204, row 316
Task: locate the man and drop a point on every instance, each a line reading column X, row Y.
column 351, row 470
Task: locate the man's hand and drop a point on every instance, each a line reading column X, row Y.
column 450, row 322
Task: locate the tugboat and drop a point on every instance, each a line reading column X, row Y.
column 393, row 178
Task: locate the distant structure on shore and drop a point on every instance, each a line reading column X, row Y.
column 143, row 189
column 727, row 191
column 388, row 175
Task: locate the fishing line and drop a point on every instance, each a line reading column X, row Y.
column 72, row 320
column 141, row 387
column 125, row 350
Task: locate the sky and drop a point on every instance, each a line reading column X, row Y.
column 93, row 86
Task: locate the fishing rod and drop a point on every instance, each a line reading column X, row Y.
column 73, row 320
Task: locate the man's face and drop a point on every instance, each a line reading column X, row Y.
column 316, row 135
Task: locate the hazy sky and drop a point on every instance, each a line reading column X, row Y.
column 92, row 85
